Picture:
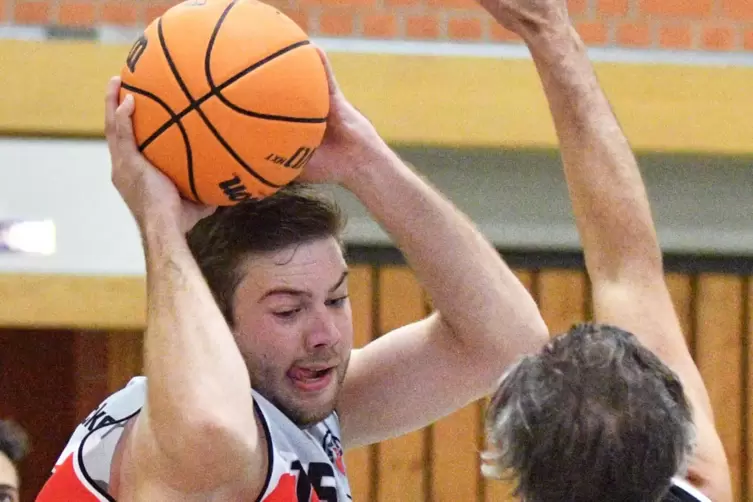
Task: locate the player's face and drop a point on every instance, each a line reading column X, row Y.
column 294, row 327
column 8, row 480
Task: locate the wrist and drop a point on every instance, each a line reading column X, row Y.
column 158, row 224
column 553, row 41
column 368, row 165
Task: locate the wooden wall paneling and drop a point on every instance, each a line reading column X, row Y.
column 402, row 461
column 91, row 357
column 681, row 290
column 38, row 391
column 454, row 456
column 359, row 462
column 748, row 367
column 562, row 298
column 719, row 358
column 125, row 358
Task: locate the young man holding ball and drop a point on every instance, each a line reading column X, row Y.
column 602, row 413
column 253, row 387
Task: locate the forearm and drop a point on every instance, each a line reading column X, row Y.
column 475, row 292
column 198, row 387
column 609, row 199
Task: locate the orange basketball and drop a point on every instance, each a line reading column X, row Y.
column 231, row 98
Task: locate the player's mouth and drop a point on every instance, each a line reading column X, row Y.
column 311, row 378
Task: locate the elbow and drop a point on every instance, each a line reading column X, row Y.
column 225, row 429
column 225, row 450
column 229, row 427
column 212, row 447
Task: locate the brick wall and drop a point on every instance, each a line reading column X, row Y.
column 712, row 25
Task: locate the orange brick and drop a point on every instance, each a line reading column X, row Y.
column 718, row 38
column 500, row 34
column 379, row 26
column 677, row 8
column 612, row 7
column 155, row 10
column 34, row 12
column 748, row 40
column 634, row 34
column 119, row 12
column 675, row 36
column 453, row 4
column 426, row 27
column 593, row 33
column 299, row 17
column 577, row 7
column 464, row 28
column 336, row 24
column 738, row 9
column 76, row 14
column 401, row 3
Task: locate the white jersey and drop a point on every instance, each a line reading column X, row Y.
column 305, row 465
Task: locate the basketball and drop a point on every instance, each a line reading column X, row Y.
column 231, row 98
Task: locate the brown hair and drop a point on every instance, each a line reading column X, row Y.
column 294, row 215
column 594, row 416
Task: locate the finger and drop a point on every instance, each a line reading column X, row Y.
column 123, row 124
column 331, row 81
column 111, row 104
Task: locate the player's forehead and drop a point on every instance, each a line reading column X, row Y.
column 314, row 265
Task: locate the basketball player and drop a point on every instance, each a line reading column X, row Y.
column 600, row 413
column 253, row 388
column 14, row 445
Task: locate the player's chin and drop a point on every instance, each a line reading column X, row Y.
column 313, row 407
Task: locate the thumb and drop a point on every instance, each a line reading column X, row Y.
column 334, row 89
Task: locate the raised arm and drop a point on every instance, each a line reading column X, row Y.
column 623, row 257
column 196, row 431
column 484, row 316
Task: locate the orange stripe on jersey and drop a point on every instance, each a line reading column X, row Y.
column 286, row 491
column 65, row 486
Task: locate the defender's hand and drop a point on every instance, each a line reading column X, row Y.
column 529, row 18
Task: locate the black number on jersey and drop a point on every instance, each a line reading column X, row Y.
column 318, row 471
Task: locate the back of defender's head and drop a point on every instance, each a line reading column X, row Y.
column 221, row 242
column 595, row 416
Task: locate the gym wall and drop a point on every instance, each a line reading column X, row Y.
column 459, row 98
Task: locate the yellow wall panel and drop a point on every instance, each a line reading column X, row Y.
column 56, row 88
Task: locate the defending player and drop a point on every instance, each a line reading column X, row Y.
column 613, row 411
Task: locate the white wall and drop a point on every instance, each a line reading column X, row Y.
column 69, row 182
column 517, row 198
